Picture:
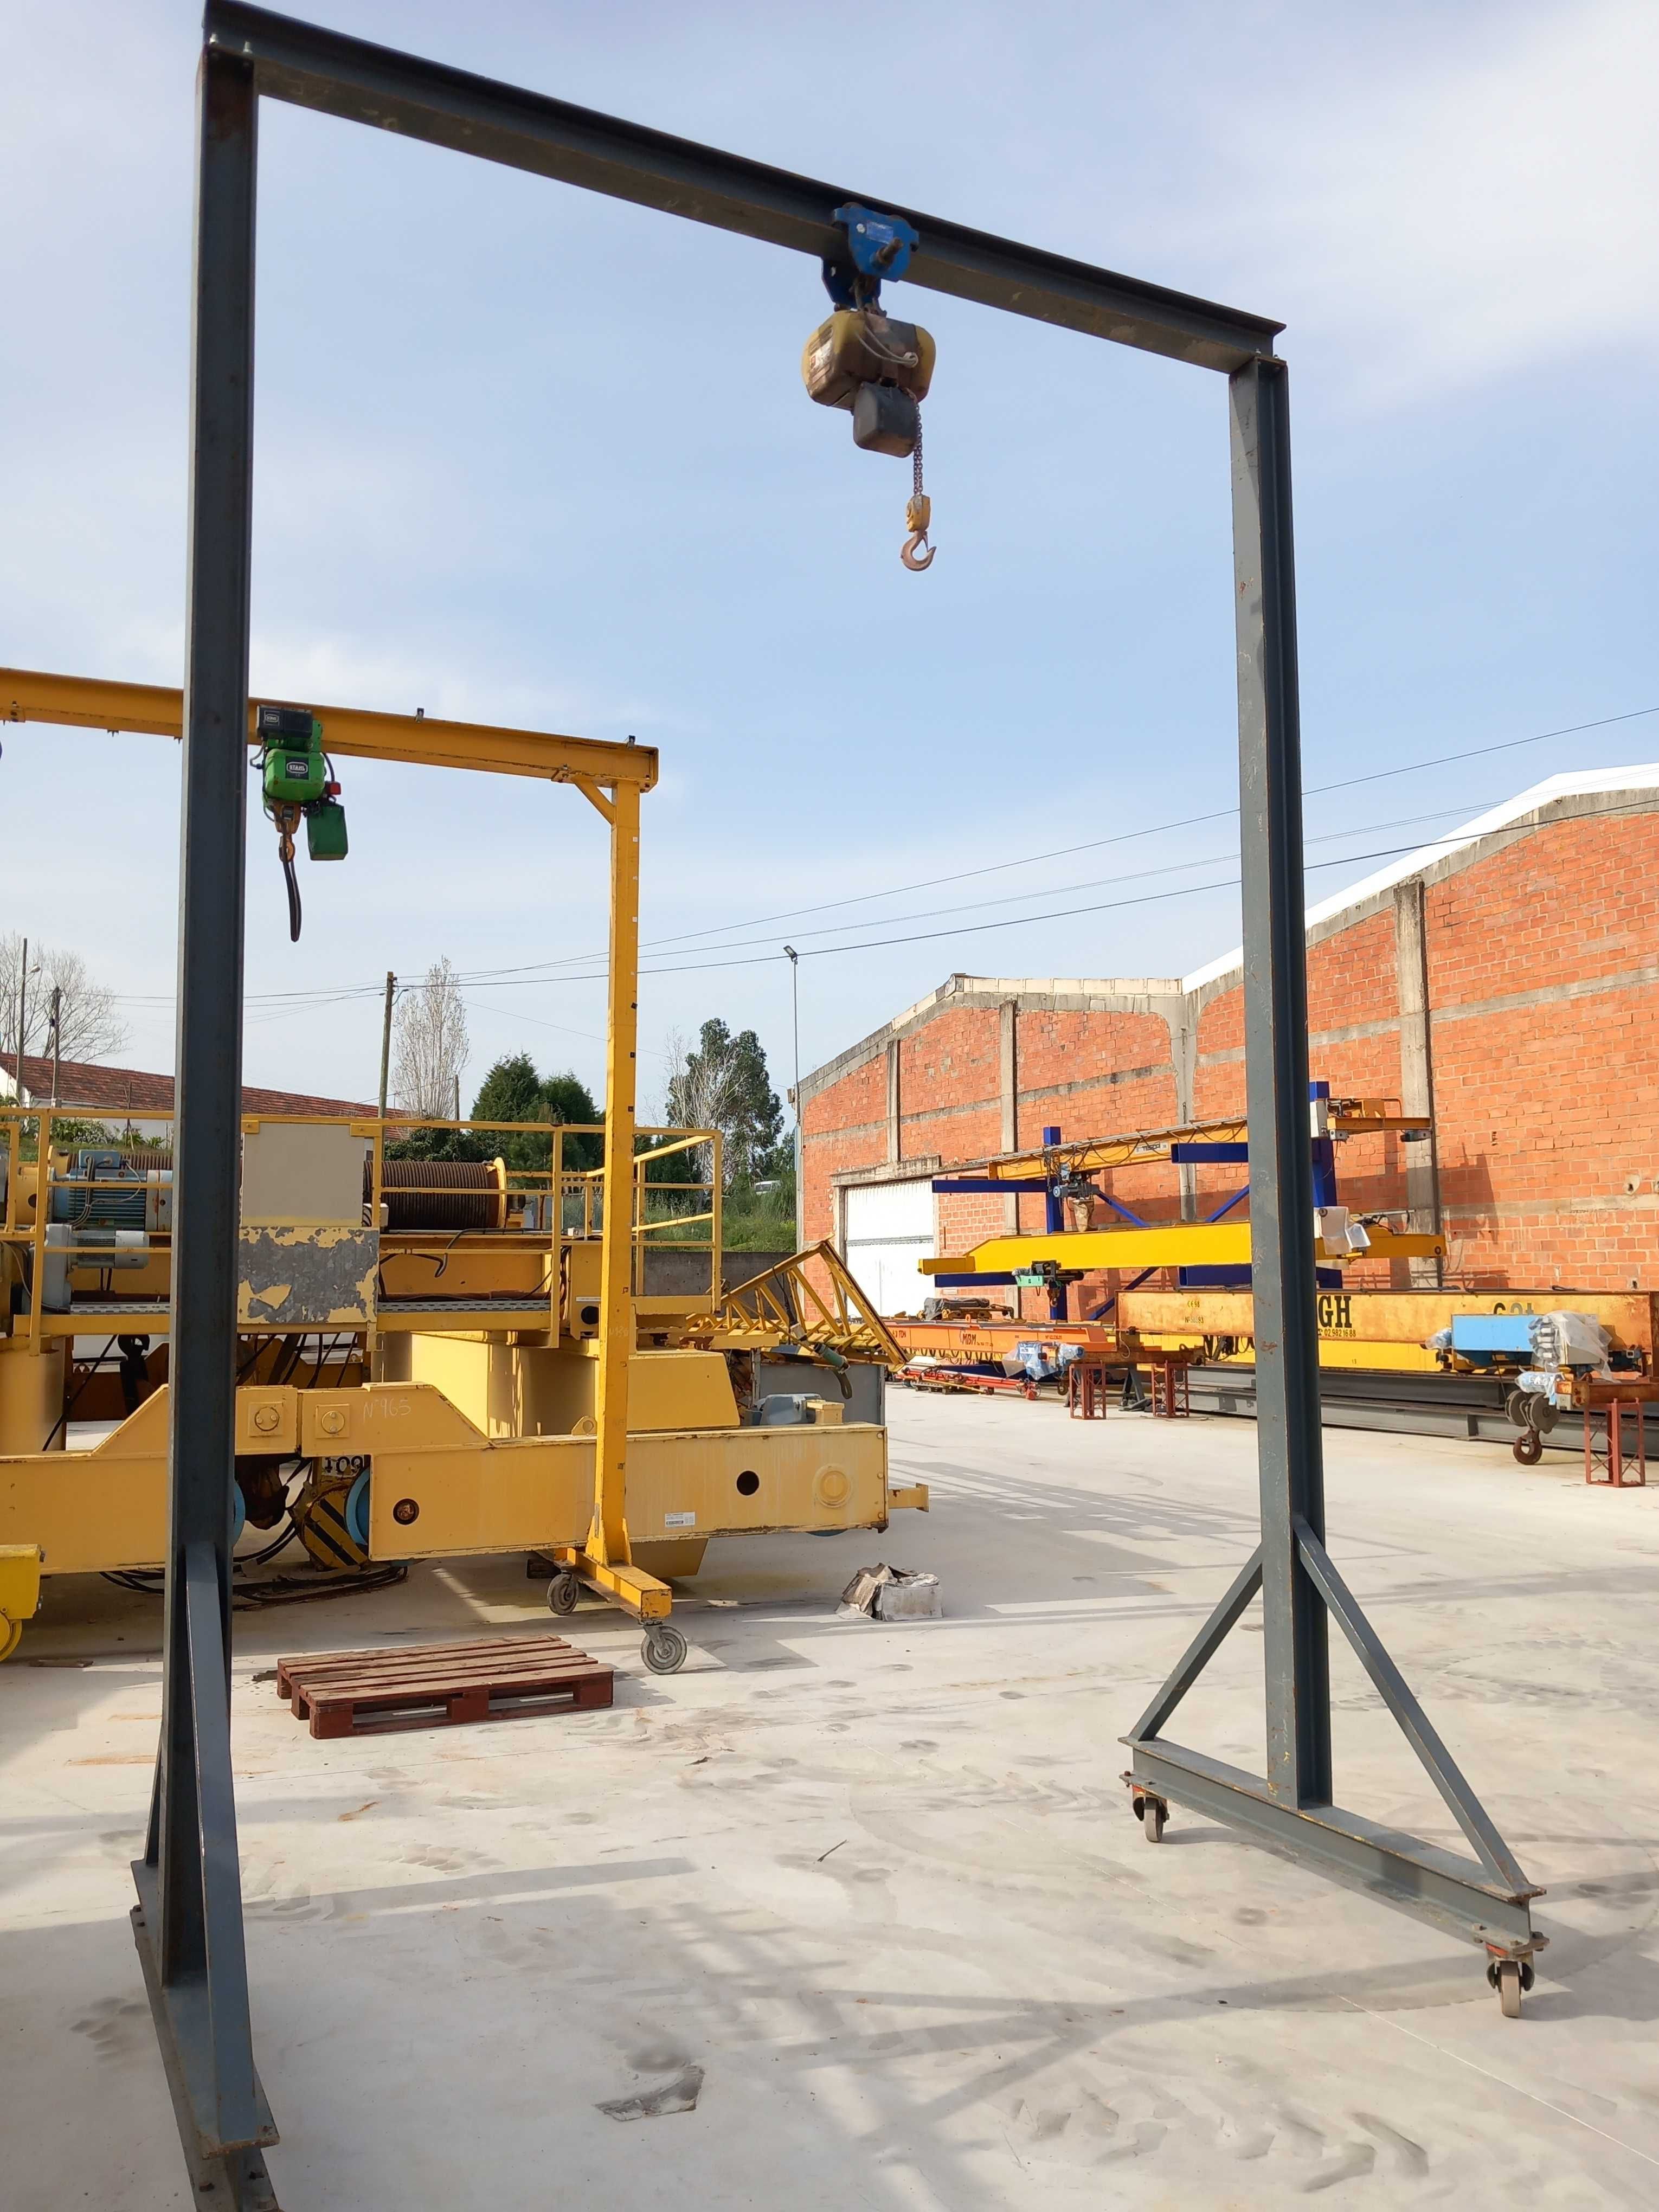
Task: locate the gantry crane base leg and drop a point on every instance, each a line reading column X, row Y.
column 184, row 2027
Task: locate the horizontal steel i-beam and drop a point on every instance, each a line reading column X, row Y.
column 361, row 82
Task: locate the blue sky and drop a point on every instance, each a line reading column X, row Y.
column 531, row 456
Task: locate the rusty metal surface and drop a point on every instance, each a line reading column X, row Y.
column 310, row 1277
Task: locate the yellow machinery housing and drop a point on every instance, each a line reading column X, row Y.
column 467, row 1361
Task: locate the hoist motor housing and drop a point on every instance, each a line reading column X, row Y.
column 294, row 771
column 859, row 347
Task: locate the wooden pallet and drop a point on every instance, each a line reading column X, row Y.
column 441, row 1684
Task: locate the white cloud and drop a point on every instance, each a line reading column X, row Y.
column 1486, row 205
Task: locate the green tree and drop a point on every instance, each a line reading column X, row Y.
column 724, row 1084
column 513, row 1091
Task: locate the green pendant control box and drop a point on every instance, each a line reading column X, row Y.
column 325, row 829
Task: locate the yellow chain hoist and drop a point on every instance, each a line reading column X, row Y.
column 877, row 369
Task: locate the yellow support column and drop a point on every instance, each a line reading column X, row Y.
column 607, row 1544
column 604, row 1564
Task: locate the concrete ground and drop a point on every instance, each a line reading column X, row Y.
column 881, row 1884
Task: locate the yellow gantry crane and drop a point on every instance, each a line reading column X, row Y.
column 485, row 1370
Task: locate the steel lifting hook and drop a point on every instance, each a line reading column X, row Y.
column 917, row 514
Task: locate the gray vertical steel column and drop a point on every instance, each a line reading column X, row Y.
column 1291, row 1464
column 190, row 1844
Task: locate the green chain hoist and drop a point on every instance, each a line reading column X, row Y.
column 296, row 781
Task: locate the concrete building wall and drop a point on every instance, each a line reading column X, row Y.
column 1509, row 987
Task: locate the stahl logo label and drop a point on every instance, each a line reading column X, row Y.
column 1335, row 1311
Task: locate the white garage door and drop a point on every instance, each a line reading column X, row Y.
column 890, row 1227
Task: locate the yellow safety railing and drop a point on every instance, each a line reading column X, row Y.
column 540, row 1208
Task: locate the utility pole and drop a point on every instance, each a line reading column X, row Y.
column 800, row 1194
column 385, row 1037
column 22, row 1012
column 458, row 1094
column 56, row 1036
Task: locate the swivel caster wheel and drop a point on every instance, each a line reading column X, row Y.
column 1151, row 1812
column 663, row 1648
column 1511, row 1977
column 1528, row 1447
column 564, row 1591
column 11, row 1635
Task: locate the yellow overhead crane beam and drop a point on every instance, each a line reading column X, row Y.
column 1175, row 1243
column 88, row 703
column 1169, row 1244
column 1345, row 1117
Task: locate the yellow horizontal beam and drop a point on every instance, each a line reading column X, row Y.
column 1179, row 1245
column 1385, row 1317
column 631, row 1587
column 1173, row 1244
column 89, row 702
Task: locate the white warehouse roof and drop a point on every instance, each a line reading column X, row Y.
column 1580, row 783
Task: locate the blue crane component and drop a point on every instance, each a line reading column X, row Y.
column 1067, row 1171
column 878, row 246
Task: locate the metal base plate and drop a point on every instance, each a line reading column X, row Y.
column 237, row 2176
column 1435, row 1885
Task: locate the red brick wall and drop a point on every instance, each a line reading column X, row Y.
column 1547, row 1111
column 841, row 1128
column 1546, row 1070
column 949, row 1087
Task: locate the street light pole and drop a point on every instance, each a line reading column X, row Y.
column 800, row 1193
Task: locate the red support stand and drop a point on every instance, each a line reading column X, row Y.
column 1171, row 1389
column 1087, row 1384
column 1619, row 1462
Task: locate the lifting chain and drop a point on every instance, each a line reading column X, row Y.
column 915, row 552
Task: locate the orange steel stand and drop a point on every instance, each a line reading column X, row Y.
column 1088, row 1382
column 1619, row 1462
column 1171, row 1389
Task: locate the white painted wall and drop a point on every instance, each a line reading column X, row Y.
column 889, row 1227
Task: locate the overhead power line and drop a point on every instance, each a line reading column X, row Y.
column 573, row 968
column 1092, row 845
